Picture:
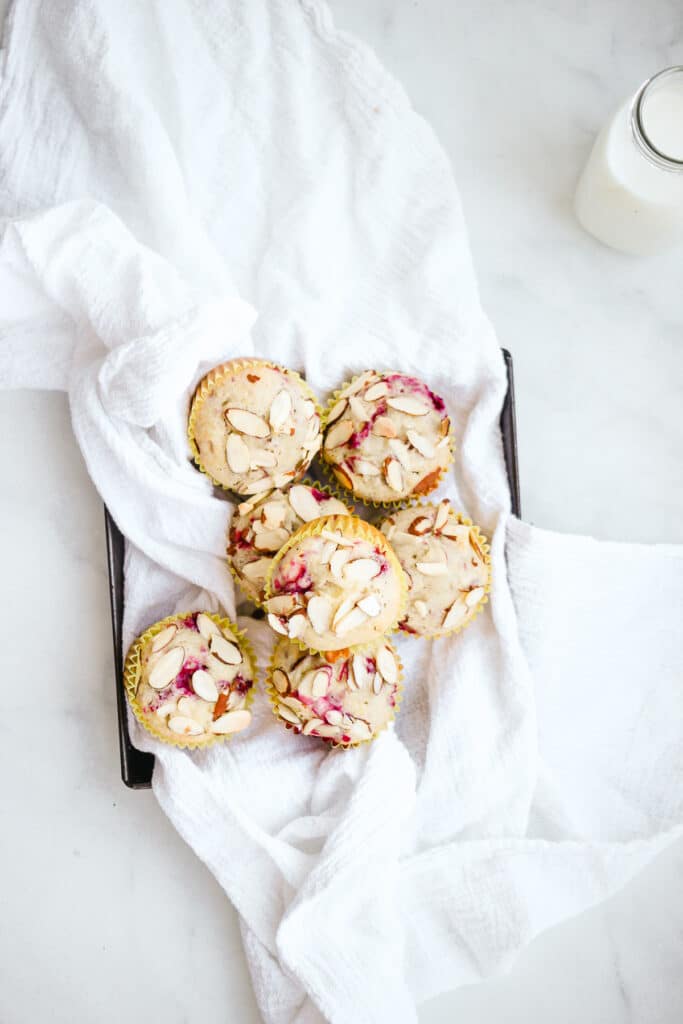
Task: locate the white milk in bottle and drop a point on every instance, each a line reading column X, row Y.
column 630, row 195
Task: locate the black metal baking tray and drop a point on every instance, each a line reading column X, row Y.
column 136, row 765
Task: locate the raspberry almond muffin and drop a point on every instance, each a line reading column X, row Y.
column 343, row 700
column 253, row 426
column 446, row 561
column 336, row 584
column 264, row 523
column 387, row 437
column 189, row 679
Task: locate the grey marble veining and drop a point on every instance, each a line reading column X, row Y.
column 106, row 914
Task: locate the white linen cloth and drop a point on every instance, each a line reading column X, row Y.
column 166, row 175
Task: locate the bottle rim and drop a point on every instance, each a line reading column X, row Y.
column 642, row 140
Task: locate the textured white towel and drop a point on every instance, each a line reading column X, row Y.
column 167, row 175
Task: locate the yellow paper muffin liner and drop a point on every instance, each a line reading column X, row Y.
column 211, row 380
column 485, row 548
column 274, row 697
column 329, row 466
column 351, row 527
column 306, row 482
column 131, row 677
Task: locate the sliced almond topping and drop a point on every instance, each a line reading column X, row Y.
column 312, row 438
column 383, row 427
column 442, row 515
column 233, row 721
column 336, row 411
column 321, row 681
column 455, row 615
column 245, row 507
column 444, row 427
column 474, row 596
column 328, row 731
column 343, row 477
column 334, row 507
column 422, row 444
column 275, row 623
column 297, row 625
column 167, row 668
column 360, row 731
column 344, row 607
column 206, row 626
column 303, row 503
column 280, row 680
column 221, row 705
column 257, row 570
column 237, row 454
column 339, row 434
column 280, row 409
column 355, row 618
column 327, row 551
column 371, row 605
column 266, row 483
column 203, row 685
column 358, row 410
column 165, row 709
column 288, row 715
column 274, row 514
column 187, row 707
column 427, row 483
column 401, row 451
column 365, row 468
column 360, row 382
column 312, row 725
column 184, row 726
column 309, row 408
column 271, row 540
column 474, row 544
column 283, row 480
column 360, row 570
column 225, row 651
column 338, row 560
column 386, row 663
column 164, row 638
column 319, row 611
column 294, row 704
column 408, row 404
column 338, row 538
column 376, row 391
column 421, row 608
column 432, row 568
column 281, row 604
column 393, row 474
column 247, row 422
column 420, row 526
column 264, row 458
column 304, row 685
column 453, row 530
column 334, row 717
column 360, row 671
column 377, row 683
column 235, row 701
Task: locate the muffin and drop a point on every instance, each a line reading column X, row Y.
column 387, row 437
column 253, row 426
column 344, row 701
column 189, row 679
column 446, row 561
column 335, row 584
column 263, row 524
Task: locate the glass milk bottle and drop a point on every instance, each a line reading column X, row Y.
column 630, row 195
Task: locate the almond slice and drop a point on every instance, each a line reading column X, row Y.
column 377, row 683
column 386, row 663
column 421, row 608
column 442, row 515
column 453, row 530
column 428, row 483
column 271, row 540
column 338, row 561
column 184, row 726
column 303, row 503
column 326, row 552
column 343, row 477
column 283, row 479
column 360, row 731
column 393, row 474
column 360, row 671
column 420, row 526
column 281, row 604
column 203, row 685
column 167, row 668
column 280, row 409
column 304, row 685
column 275, row 623
column 355, row 618
column 455, row 615
column 235, row 702
column 363, row 379
column 247, row 422
column 309, row 408
column 358, row 410
column 360, row 570
column 297, row 625
column 328, row 731
column 187, row 706
column 237, row 454
column 338, row 538
column 432, row 568
column 280, row 680
column 257, row 570
column 245, row 507
column 311, row 725
column 474, row 596
column 274, row 514
column 263, row 458
column 207, row 627
column 384, row 427
column 365, row 468
column 422, row 444
column 376, row 391
column 336, row 411
column 164, row 638
column 408, row 404
column 444, row 427
column 339, row 434
column 343, row 609
column 264, row 484
column 233, row 721
column 319, row 611
column 371, row 605
column 474, row 544
column 225, row 650
column 334, row 717
column 401, row 451
column 164, row 710
column 321, row 682
column 287, row 713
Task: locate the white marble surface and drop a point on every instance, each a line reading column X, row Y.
column 94, row 878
